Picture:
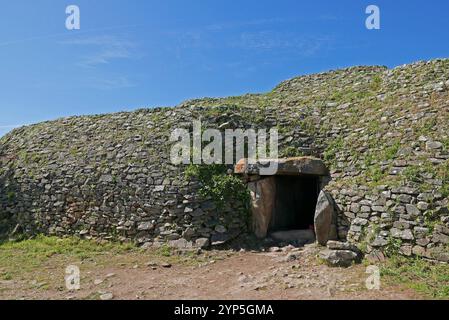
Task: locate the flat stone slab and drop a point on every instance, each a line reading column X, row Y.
column 286, row 166
column 293, row 235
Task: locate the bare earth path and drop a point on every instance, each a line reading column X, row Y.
column 295, row 274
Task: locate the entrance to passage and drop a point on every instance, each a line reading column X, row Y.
column 295, row 202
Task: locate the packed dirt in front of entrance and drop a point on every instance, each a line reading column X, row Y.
column 287, row 273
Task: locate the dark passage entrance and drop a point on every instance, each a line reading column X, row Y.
column 295, row 203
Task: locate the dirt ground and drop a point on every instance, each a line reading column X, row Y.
column 290, row 273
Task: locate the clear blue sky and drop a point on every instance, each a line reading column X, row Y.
column 141, row 53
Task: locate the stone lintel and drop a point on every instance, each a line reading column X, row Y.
column 286, row 166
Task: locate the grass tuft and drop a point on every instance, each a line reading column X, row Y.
column 429, row 278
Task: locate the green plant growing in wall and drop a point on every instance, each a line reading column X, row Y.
column 443, row 173
column 332, row 149
column 412, row 174
column 391, row 151
column 376, row 83
column 393, row 246
column 218, row 185
column 11, row 196
column 291, row 151
column 367, row 236
column 375, row 173
column 431, row 219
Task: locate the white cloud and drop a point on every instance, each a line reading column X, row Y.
column 110, row 83
column 271, row 40
column 105, row 49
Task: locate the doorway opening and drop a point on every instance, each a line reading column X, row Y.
column 284, row 204
column 295, row 203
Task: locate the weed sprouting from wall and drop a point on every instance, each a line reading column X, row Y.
column 218, row 185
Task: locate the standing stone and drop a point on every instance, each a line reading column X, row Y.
column 262, row 204
column 325, row 228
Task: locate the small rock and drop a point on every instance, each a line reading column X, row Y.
column 375, row 256
column 442, row 229
column 337, row 245
column 147, row 245
column 406, row 250
column 411, row 209
column 220, row 229
column 144, row 226
column 423, row 206
column 403, row 234
column 107, row 296
column 420, row 232
column 431, row 145
column 419, row 251
column 291, row 257
column 440, row 238
column 339, row 258
column 379, row 242
column 151, row 264
column 202, row 243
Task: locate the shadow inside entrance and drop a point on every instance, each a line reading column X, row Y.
column 296, row 198
column 294, row 209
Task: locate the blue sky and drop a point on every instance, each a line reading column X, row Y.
column 140, row 53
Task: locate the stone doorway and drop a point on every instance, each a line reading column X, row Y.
column 290, row 205
column 295, row 203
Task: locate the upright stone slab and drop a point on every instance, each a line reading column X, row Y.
column 262, row 202
column 325, row 228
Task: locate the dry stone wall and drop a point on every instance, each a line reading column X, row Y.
column 382, row 132
column 108, row 177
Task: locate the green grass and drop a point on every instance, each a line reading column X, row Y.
column 291, row 151
column 31, row 255
column 39, row 264
column 376, row 83
column 218, row 185
column 443, row 173
column 430, row 279
column 164, row 251
column 332, row 150
column 28, row 258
